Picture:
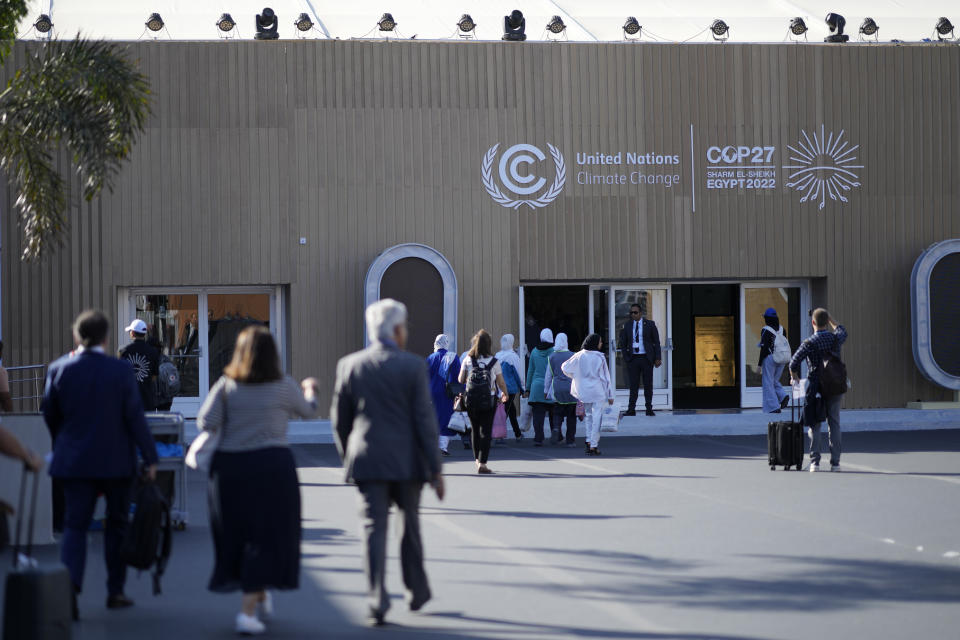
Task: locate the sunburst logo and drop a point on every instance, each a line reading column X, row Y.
column 824, row 167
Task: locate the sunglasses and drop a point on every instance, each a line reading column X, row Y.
column 634, row 313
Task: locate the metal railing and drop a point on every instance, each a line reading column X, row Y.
column 26, row 386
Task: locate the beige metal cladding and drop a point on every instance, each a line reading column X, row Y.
column 360, row 145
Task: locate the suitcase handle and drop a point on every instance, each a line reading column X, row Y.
column 33, row 514
column 794, row 403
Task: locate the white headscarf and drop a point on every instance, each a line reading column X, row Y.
column 507, row 354
column 442, row 341
column 561, row 343
column 546, row 336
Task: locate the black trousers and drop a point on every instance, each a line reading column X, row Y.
column 540, row 411
column 566, row 412
column 482, row 430
column 512, row 414
column 639, row 368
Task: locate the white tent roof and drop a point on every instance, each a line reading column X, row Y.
column 586, row 20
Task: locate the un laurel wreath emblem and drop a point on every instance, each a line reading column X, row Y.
column 509, row 176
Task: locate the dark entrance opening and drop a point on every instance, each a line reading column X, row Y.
column 706, row 339
column 562, row 309
column 417, row 284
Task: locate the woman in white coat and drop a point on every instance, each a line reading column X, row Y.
column 591, row 385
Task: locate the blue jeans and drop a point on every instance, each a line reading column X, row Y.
column 834, row 437
column 80, row 496
column 773, row 391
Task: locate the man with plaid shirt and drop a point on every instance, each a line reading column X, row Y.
column 827, row 338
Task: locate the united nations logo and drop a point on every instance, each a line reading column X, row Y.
column 517, row 183
column 824, row 167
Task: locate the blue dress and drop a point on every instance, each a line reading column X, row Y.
column 444, row 367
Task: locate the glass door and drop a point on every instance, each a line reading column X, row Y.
column 788, row 300
column 654, row 301
column 197, row 330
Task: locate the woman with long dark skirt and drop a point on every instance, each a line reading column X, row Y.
column 253, row 493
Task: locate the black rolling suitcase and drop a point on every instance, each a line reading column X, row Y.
column 785, row 441
column 38, row 603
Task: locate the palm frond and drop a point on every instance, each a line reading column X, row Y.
column 84, row 96
column 11, row 13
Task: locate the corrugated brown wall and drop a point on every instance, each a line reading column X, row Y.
column 359, row 146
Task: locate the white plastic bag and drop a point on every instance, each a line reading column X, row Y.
column 458, row 422
column 526, row 415
column 610, row 418
column 202, row 449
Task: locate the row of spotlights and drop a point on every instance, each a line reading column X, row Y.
column 718, row 28
column 868, row 28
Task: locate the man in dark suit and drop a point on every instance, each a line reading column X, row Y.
column 640, row 347
column 386, row 433
column 92, row 405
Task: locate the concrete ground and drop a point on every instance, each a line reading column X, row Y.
column 660, row 537
column 717, row 422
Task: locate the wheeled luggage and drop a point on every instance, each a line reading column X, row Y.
column 38, row 603
column 785, row 441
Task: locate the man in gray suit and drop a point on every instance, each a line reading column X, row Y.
column 386, row 433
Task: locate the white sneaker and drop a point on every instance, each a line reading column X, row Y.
column 249, row 625
column 834, row 467
column 265, row 608
column 814, row 467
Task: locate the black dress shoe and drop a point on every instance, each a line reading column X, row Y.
column 785, row 402
column 650, row 412
column 630, row 413
column 417, row 602
column 119, row 601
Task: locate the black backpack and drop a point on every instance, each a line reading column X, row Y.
column 148, row 538
column 833, row 377
column 168, row 381
column 479, row 396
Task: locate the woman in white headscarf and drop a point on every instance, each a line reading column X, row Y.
column 536, row 374
column 557, row 385
column 591, row 384
column 510, row 364
column 444, row 367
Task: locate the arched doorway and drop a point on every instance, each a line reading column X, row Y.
column 421, row 278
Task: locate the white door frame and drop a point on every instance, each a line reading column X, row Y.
column 663, row 397
column 752, row 397
column 126, row 308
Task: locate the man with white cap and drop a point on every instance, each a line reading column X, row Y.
column 146, row 363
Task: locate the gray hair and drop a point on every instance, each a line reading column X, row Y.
column 383, row 317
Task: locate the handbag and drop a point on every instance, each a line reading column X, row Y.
column 458, row 423
column 499, row 423
column 202, row 449
column 454, row 389
column 460, row 403
column 581, row 411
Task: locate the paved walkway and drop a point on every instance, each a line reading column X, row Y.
column 661, row 537
column 715, row 423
